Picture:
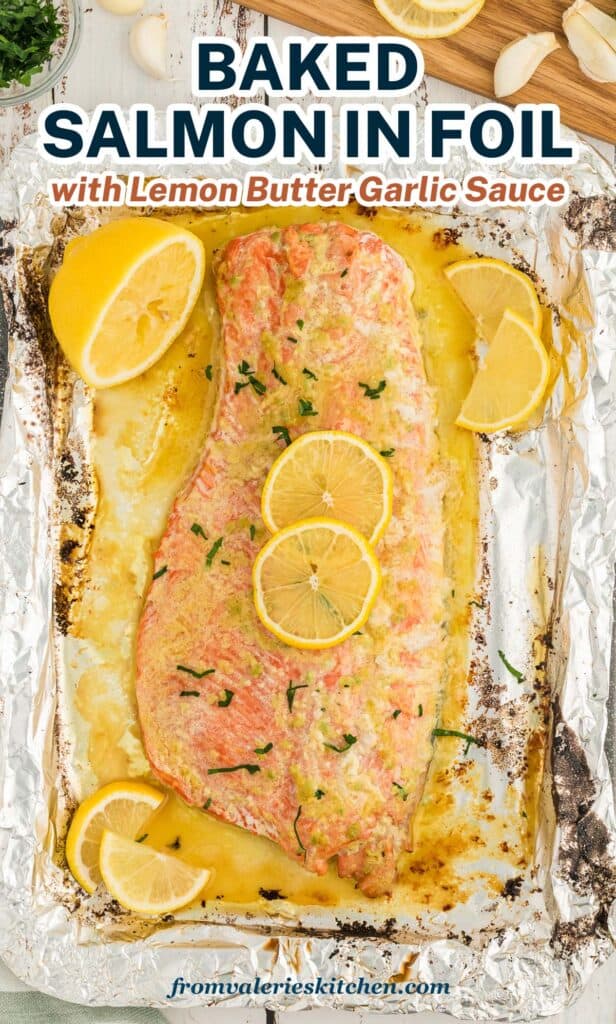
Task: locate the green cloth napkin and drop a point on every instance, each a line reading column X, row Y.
column 36, row 1008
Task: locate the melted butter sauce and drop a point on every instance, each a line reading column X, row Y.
column 148, row 435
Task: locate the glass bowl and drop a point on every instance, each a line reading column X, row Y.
column 64, row 49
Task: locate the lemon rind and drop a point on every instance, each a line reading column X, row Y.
column 402, row 25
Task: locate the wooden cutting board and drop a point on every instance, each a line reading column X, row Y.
column 467, row 59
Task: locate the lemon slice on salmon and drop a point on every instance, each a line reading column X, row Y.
column 512, row 381
column 123, row 294
column 414, row 20
column 487, row 287
column 333, row 474
column 123, row 807
column 315, row 583
column 145, row 881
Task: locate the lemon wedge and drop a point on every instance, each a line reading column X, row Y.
column 487, row 287
column 333, row 474
column 315, row 583
column 413, row 19
column 123, row 294
column 512, row 381
column 145, row 881
column 123, row 807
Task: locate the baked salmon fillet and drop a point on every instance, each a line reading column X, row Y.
column 318, row 332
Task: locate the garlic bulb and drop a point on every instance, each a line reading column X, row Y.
column 519, row 60
column 591, row 34
column 148, row 44
column 122, row 6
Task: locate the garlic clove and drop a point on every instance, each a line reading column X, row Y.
column 591, row 35
column 519, row 60
column 122, row 6
column 148, row 44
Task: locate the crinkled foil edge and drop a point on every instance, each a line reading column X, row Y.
column 509, row 975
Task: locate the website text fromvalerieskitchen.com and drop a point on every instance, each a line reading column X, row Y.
column 315, row 986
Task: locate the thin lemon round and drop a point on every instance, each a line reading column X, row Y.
column 123, row 294
column 123, row 807
column 487, row 287
column 332, row 474
column 512, row 381
column 315, row 583
column 145, row 881
column 408, row 17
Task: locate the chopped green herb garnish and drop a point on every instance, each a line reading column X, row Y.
column 401, row 790
column 370, row 392
column 207, row 804
column 29, row 30
column 344, row 272
column 282, row 434
column 257, row 385
column 252, row 530
column 211, row 555
column 161, row 572
column 175, row 845
column 291, row 339
column 278, row 376
column 514, row 671
column 244, row 369
column 223, row 561
column 306, row 409
column 397, row 712
column 239, row 384
column 461, row 735
column 309, row 374
column 292, row 689
column 349, row 740
column 524, row 814
column 198, row 530
column 193, row 671
column 142, row 838
column 264, row 750
column 387, row 452
column 190, row 693
column 297, row 817
column 208, row 371
column 229, row 695
column 252, row 769
column 319, row 793
column 420, row 711
column 300, row 324
column 357, row 632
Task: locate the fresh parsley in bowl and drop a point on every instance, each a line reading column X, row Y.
column 38, row 40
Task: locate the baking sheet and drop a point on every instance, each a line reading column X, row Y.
column 533, row 945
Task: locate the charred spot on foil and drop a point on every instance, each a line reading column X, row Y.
column 512, row 888
column 363, row 930
column 66, row 550
column 445, row 237
column 592, row 219
column 366, row 211
column 271, row 894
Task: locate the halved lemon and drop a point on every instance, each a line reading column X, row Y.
column 123, row 807
column 488, row 287
column 411, row 19
column 123, row 294
column 315, row 583
column 512, row 381
column 145, row 881
column 333, row 474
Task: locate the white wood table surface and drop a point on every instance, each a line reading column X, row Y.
column 103, row 71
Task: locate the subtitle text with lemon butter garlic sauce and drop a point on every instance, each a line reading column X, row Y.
column 323, row 328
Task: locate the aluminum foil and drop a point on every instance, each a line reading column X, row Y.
column 512, row 959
